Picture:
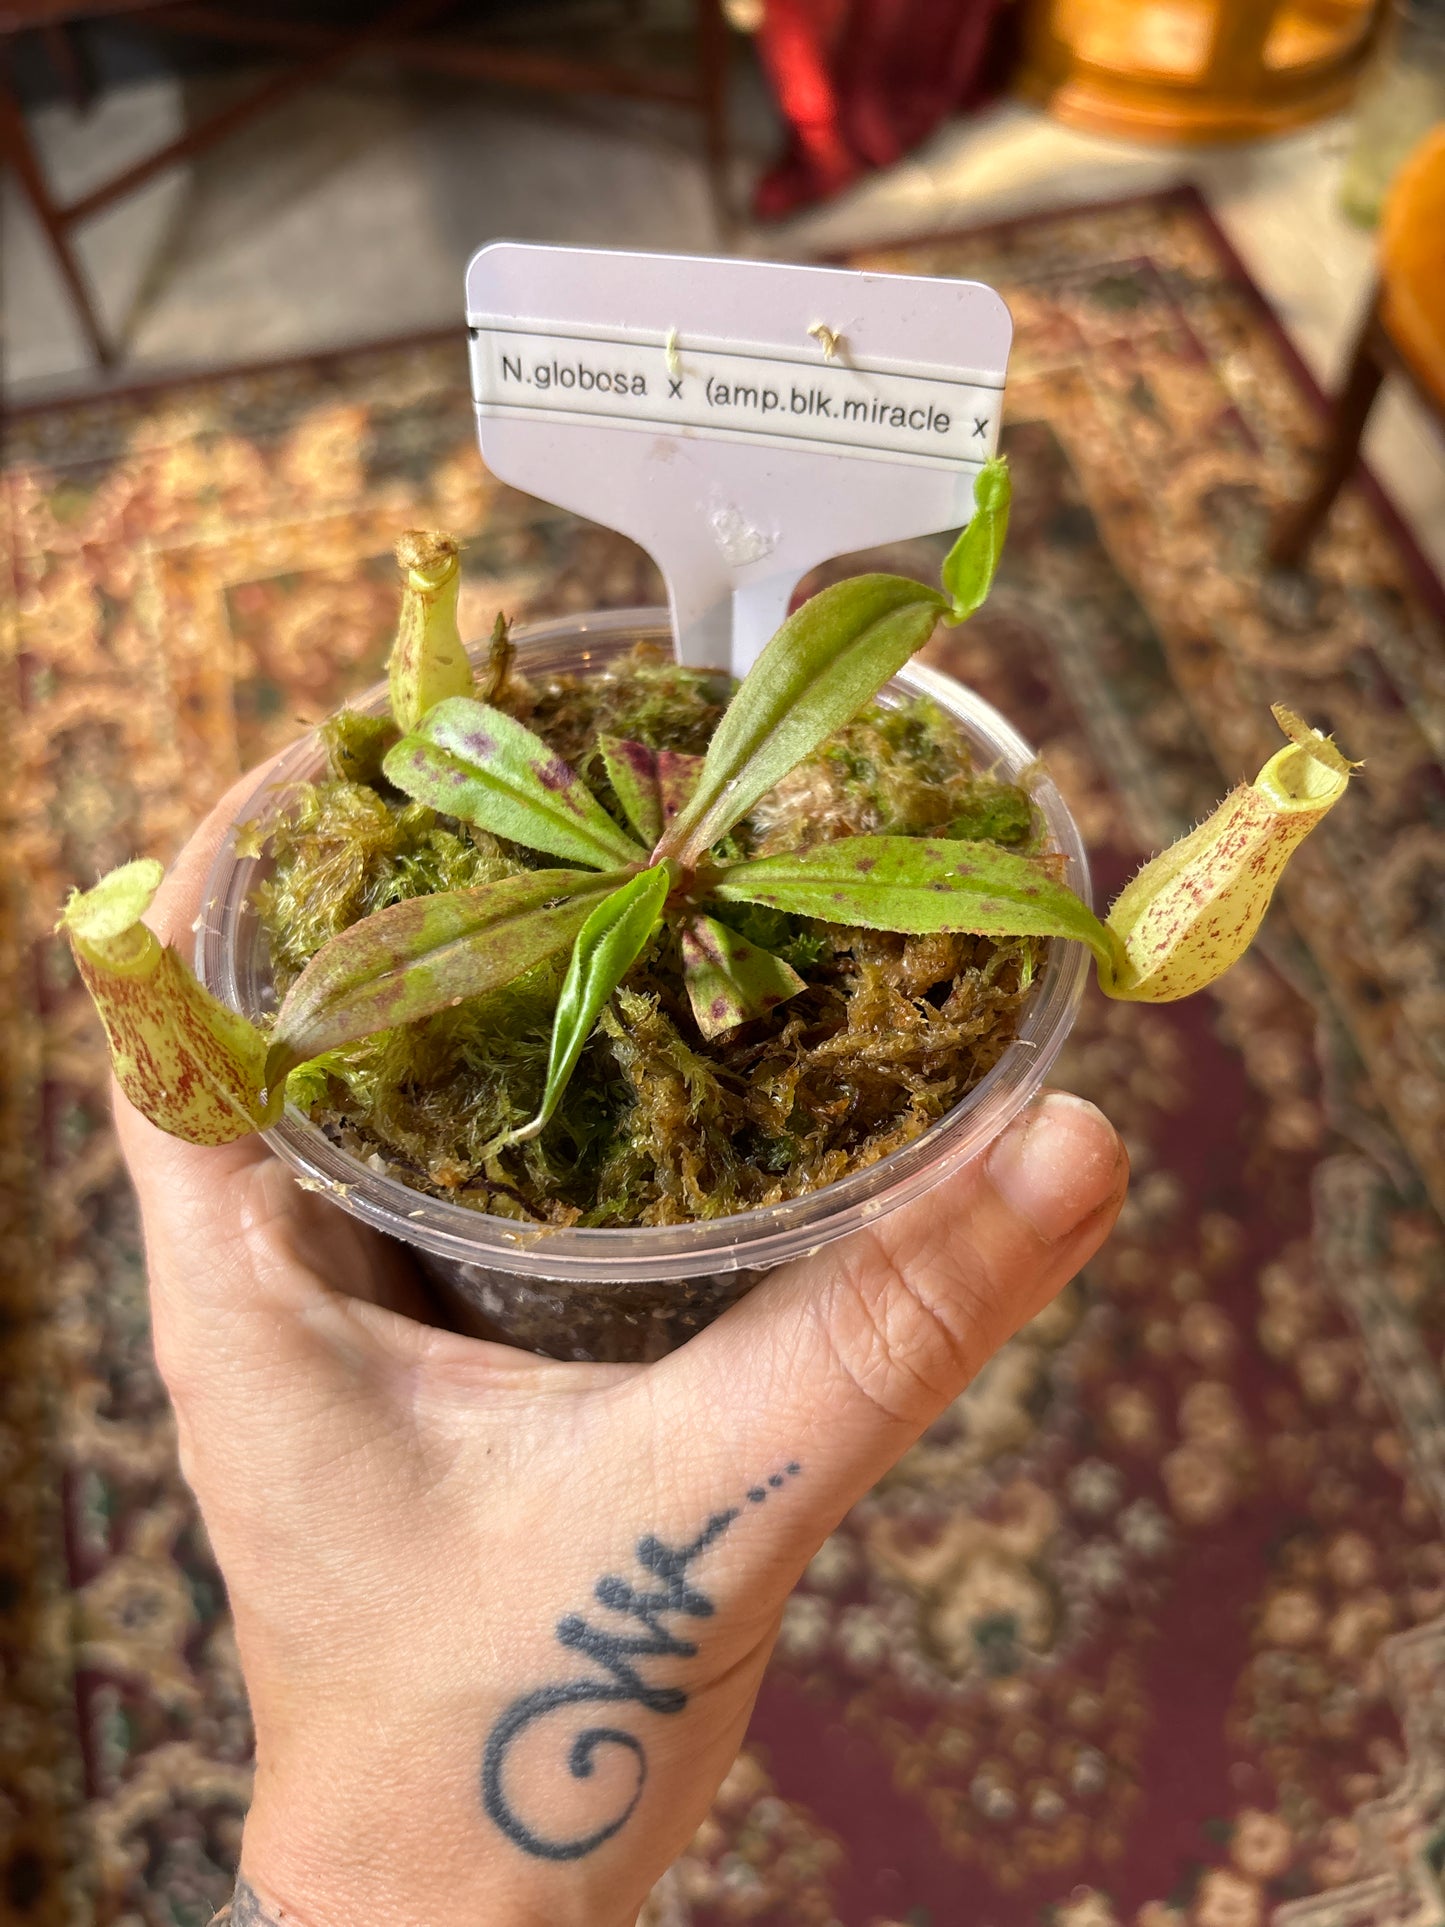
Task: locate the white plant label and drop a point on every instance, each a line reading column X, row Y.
column 799, row 401
column 741, row 420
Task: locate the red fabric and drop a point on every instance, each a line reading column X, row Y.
column 863, row 81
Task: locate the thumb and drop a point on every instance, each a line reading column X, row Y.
column 839, row 1361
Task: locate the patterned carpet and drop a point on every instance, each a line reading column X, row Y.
column 1151, row 1628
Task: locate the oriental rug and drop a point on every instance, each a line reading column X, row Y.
column 1150, row 1629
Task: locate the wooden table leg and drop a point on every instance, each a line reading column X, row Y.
column 1297, row 525
column 17, row 150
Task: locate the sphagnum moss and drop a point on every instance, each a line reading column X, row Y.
column 658, row 1123
column 638, row 948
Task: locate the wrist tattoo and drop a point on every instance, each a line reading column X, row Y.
column 244, row 1909
column 665, row 1594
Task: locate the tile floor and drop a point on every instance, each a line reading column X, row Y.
column 350, row 213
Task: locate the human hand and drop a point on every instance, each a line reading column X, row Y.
column 502, row 1620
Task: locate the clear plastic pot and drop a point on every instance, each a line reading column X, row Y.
column 636, row 1294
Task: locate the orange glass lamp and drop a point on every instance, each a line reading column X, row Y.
column 1412, row 266
column 1194, row 70
column 1403, row 334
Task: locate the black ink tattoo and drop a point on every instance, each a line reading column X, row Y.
column 620, row 1681
column 245, row 1909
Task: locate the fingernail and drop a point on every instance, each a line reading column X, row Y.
column 1057, row 1164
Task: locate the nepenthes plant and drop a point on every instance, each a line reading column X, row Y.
column 629, row 893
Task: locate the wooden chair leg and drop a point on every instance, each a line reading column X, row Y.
column 71, row 63
column 17, row 150
column 713, row 50
column 1296, row 526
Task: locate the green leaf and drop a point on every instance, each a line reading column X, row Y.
column 918, row 885
column 420, row 956
column 428, row 662
column 610, row 943
column 828, row 659
column 971, row 564
column 187, row 1062
column 480, row 764
column 729, row 979
column 652, row 785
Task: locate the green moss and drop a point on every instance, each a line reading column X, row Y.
column 345, row 849
column 355, row 744
column 996, row 813
column 657, row 1125
column 895, row 770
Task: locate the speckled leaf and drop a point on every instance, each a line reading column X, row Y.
column 730, row 980
column 474, row 762
column 428, row 662
column 610, row 943
column 191, row 1065
column 971, row 564
column 918, row 885
column 420, row 956
column 678, row 775
column 1192, row 911
column 652, row 785
column 828, row 659
column 632, row 772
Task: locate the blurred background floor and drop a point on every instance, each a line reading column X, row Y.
column 348, row 215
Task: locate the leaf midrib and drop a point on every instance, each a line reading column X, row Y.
column 556, row 813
